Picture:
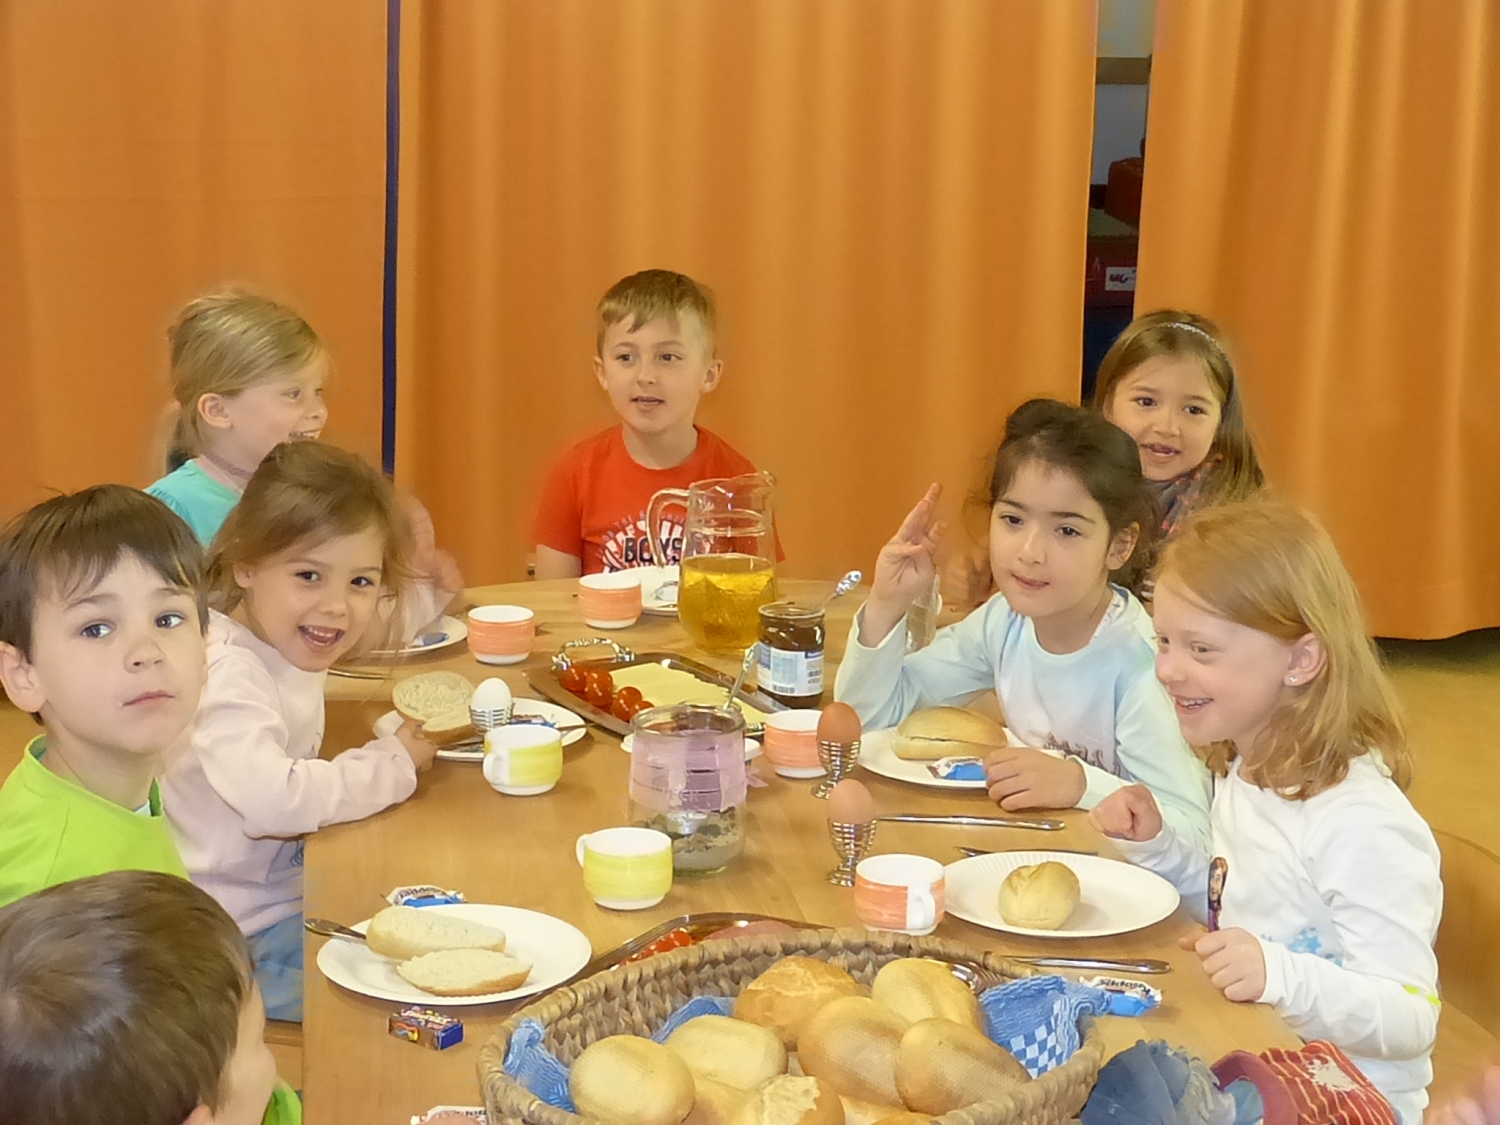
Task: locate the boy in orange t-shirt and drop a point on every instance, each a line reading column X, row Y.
column 655, row 361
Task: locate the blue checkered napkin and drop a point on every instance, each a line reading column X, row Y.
column 1036, row 1018
column 540, row 1071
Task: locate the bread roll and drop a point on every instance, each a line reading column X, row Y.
column 464, row 972
column 404, row 932
column 439, row 701
column 786, row 1100
column 1040, row 896
column 736, row 1053
column 916, row 988
column 627, row 1080
column 714, row 1103
column 786, row 995
column 941, row 732
column 942, row 1065
column 857, row 1112
column 851, row 1044
column 906, row 1117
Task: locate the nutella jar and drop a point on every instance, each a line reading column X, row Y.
column 791, row 654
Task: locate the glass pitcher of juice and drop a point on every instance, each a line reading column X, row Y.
column 728, row 557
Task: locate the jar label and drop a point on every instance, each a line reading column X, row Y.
column 790, row 673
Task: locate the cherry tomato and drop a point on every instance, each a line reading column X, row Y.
column 637, row 708
column 606, row 680
column 574, row 680
column 633, row 694
column 620, row 707
column 674, row 940
column 598, row 696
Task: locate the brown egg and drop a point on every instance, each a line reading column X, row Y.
column 850, row 803
column 839, row 723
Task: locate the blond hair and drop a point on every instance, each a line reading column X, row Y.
column 224, row 344
column 309, row 492
column 652, row 294
column 1270, row 567
column 1236, row 475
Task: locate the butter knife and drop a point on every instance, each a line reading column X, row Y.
column 1040, row 823
column 1002, row 851
column 1143, row 965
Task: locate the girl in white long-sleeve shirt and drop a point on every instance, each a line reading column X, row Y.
column 1325, row 895
column 1068, row 652
column 297, row 575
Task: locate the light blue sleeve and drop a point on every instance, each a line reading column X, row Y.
column 884, row 685
column 1184, row 864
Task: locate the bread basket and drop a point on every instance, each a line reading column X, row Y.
column 637, row 998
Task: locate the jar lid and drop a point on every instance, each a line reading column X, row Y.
column 791, row 611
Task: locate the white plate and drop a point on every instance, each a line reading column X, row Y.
column 572, row 727
column 444, row 633
column 555, row 949
column 654, row 599
column 752, row 748
column 877, row 753
column 1114, row 897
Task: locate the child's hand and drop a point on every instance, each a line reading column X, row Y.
column 417, row 746
column 904, row 569
column 1233, row 960
column 1128, row 814
column 431, row 564
column 1020, row 777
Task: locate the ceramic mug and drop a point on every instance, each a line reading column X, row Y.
column 611, row 600
column 501, row 634
column 522, row 761
column 626, row 868
column 903, row 893
column 791, row 743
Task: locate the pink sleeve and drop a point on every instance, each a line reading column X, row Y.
column 241, row 741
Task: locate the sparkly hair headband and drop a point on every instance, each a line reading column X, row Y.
column 1195, row 330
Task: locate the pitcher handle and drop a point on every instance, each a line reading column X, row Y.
column 659, row 501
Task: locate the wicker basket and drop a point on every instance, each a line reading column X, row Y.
column 637, row 998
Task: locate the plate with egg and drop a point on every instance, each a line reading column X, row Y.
column 1057, row 894
column 440, row 701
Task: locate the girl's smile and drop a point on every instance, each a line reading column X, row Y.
column 1168, row 406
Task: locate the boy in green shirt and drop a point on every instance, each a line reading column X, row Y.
column 102, row 615
column 129, row 1000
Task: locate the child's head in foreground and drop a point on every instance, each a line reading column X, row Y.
column 128, row 999
column 1068, row 509
column 314, row 547
column 1168, row 382
column 101, row 620
column 1263, row 647
column 247, row 374
column 656, row 349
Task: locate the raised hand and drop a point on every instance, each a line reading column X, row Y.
column 1130, row 813
column 904, row 569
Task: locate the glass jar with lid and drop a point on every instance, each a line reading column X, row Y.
column 792, row 637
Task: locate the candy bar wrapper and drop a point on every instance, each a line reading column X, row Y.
column 426, row 1027
column 958, row 769
column 424, row 896
column 451, row 1115
column 1126, row 997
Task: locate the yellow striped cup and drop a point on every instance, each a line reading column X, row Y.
column 523, row 760
column 626, row 868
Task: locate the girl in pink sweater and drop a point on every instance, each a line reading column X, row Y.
column 301, row 569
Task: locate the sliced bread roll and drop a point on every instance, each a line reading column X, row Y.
column 790, row 1100
column 439, row 701
column 464, row 972
column 943, row 732
column 404, row 932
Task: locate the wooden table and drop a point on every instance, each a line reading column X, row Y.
column 458, row 832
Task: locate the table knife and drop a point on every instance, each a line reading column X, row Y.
column 977, row 821
column 1141, row 965
column 1002, row 851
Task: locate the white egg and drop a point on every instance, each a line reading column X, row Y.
column 491, row 695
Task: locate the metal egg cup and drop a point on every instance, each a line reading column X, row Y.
column 838, row 760
column 852, row 842
column 488, row 719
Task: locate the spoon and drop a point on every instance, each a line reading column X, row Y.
column 324, row 928
column 846, row 583
column 739, row 681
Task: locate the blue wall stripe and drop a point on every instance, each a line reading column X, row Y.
column 392, row 202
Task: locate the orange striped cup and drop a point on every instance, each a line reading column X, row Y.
column 501, row 634
column 904, row 893
column 611, row 600
column 791, row 743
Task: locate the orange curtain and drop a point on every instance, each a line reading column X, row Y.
column 888, row 197
column 148, row 152
column 1321, row 180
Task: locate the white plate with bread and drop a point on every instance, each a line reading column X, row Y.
column 422, row 943
column 572, row 728
column 904, row 752
column 1104, row 897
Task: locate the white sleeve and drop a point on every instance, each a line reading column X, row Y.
column 240, row 740
column 884, row 685
column 1379, row 878
column 1149, row 744
column 1183, row 864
